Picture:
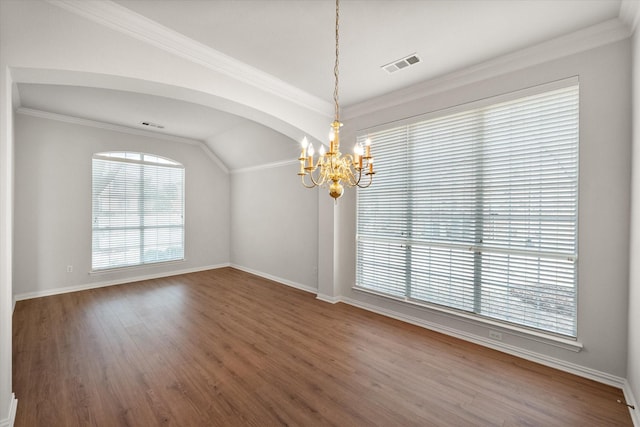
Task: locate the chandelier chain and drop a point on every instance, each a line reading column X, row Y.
column 335, row 68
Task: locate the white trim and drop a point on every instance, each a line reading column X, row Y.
column 277, row 279
column 329, row 299
column 11, row 418
column 123, row 20
column 631, row 400
column 552, row 362
column 592, row 37
column 124, row 129
column 630, row 13
column 7, row 215
column 67, row 289
column 115, row 156
column 511, row 329
column 266, row 166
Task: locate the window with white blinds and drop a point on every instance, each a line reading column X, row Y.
column 138, row 210
column 477, row 211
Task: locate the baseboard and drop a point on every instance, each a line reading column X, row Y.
column 11, row 418
column 542, row 359
column 631, row 400
column 56, row 291
column 329, row 299
column 276, row 279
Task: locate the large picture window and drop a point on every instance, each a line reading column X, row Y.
column 477, row 211
column 138, row 210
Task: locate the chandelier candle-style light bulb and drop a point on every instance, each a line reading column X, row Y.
column 310, row 152
column 333, row 169
column 358, row 156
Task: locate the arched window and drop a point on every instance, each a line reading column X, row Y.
column 138, row 210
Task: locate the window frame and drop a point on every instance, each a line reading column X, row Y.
column 564, row 339
column 143, row 159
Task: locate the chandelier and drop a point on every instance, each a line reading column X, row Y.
column 332, row 169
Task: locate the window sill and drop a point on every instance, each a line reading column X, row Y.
column 135, row 267
column 507, row 328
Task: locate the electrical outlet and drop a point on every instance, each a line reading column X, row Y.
column 495, row 335
column 69, row 268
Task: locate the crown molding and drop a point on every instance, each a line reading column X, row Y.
column 630, row 13
column 124, row 129
column 592, row 37
column 119, row 18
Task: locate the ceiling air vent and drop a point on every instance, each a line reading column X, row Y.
column 153, row 125
column 399, row 64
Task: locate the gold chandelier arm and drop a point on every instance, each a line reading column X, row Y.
column 305, row 184
column 320, row 180
column 349, row 176
column 353, row 180
column 370, row 174
column 348, row 170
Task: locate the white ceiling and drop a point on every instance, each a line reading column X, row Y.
column 294, row 41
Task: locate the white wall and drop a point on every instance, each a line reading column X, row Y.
column 274, row 225
column 53, row 204
column 633, row 358
column 605, row 139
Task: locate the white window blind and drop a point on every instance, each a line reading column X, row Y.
column 477, row 211
column 138, row 210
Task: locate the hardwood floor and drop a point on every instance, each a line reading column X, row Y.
column 225, row 348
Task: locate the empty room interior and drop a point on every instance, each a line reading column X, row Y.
column 319, row 212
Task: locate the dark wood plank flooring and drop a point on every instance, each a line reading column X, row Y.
column 226, row 348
